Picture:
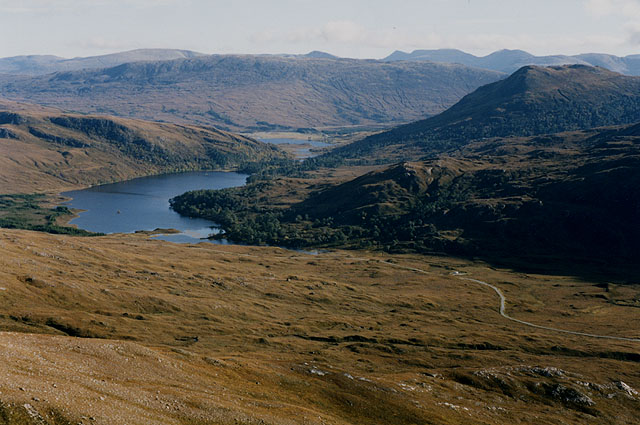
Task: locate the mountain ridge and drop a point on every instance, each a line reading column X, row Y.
column 44, row 149
column 248, row 93
column 46, row 64
column 509, row 61
column 533, row 100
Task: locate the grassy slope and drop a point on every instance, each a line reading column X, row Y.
column 257, row 92
column 282, row 337
column 44, row 149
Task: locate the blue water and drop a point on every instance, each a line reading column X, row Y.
column 143, row 204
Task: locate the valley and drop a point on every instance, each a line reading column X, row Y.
column 433, row 244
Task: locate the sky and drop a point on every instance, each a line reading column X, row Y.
column 348, row 28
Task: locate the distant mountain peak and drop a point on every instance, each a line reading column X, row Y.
column 316, row 54
column 511, row 51
column 508, row 60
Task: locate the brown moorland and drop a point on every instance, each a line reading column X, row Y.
column 126, row 329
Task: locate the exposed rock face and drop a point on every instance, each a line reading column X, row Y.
column 570, row 395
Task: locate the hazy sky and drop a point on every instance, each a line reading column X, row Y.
column 351, row 28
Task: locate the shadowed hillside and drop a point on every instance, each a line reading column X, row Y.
column 546, row 198
column 531, row 101
column 257, row 92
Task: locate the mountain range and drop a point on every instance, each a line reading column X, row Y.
column 509, row 61
column 506, row 61
column 46, row 64
column 524, row 166
column 257, row 92
column 533, row 100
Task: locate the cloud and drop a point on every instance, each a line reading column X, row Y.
column 600, row 8
column 628, row 11
column 344, row 32
column 347, row 33
column 55, row 6
column 349, row 36
column 103, row 44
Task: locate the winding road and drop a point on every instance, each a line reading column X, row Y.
column 503, row 299
column 503, row 311
column 504, row 314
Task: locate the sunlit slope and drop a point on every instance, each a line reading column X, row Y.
column 209, row 334
column 44, row 149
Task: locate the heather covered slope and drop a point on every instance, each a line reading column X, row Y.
column 257, row 92
column 45, row 149
column 567, row 195
column 532, row 101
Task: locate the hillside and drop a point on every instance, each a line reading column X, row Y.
column 544, row 199
column 46, row 64
column 123, row 329
column 44, row 149
column 257, row 92
column 531, row 101
column 509, row 61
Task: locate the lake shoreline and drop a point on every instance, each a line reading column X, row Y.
column 142, row 204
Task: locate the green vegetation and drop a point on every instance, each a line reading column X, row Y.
column 247, row 215
column 26, row 211
column 247, row 221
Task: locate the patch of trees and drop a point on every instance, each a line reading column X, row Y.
column 25, row 211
